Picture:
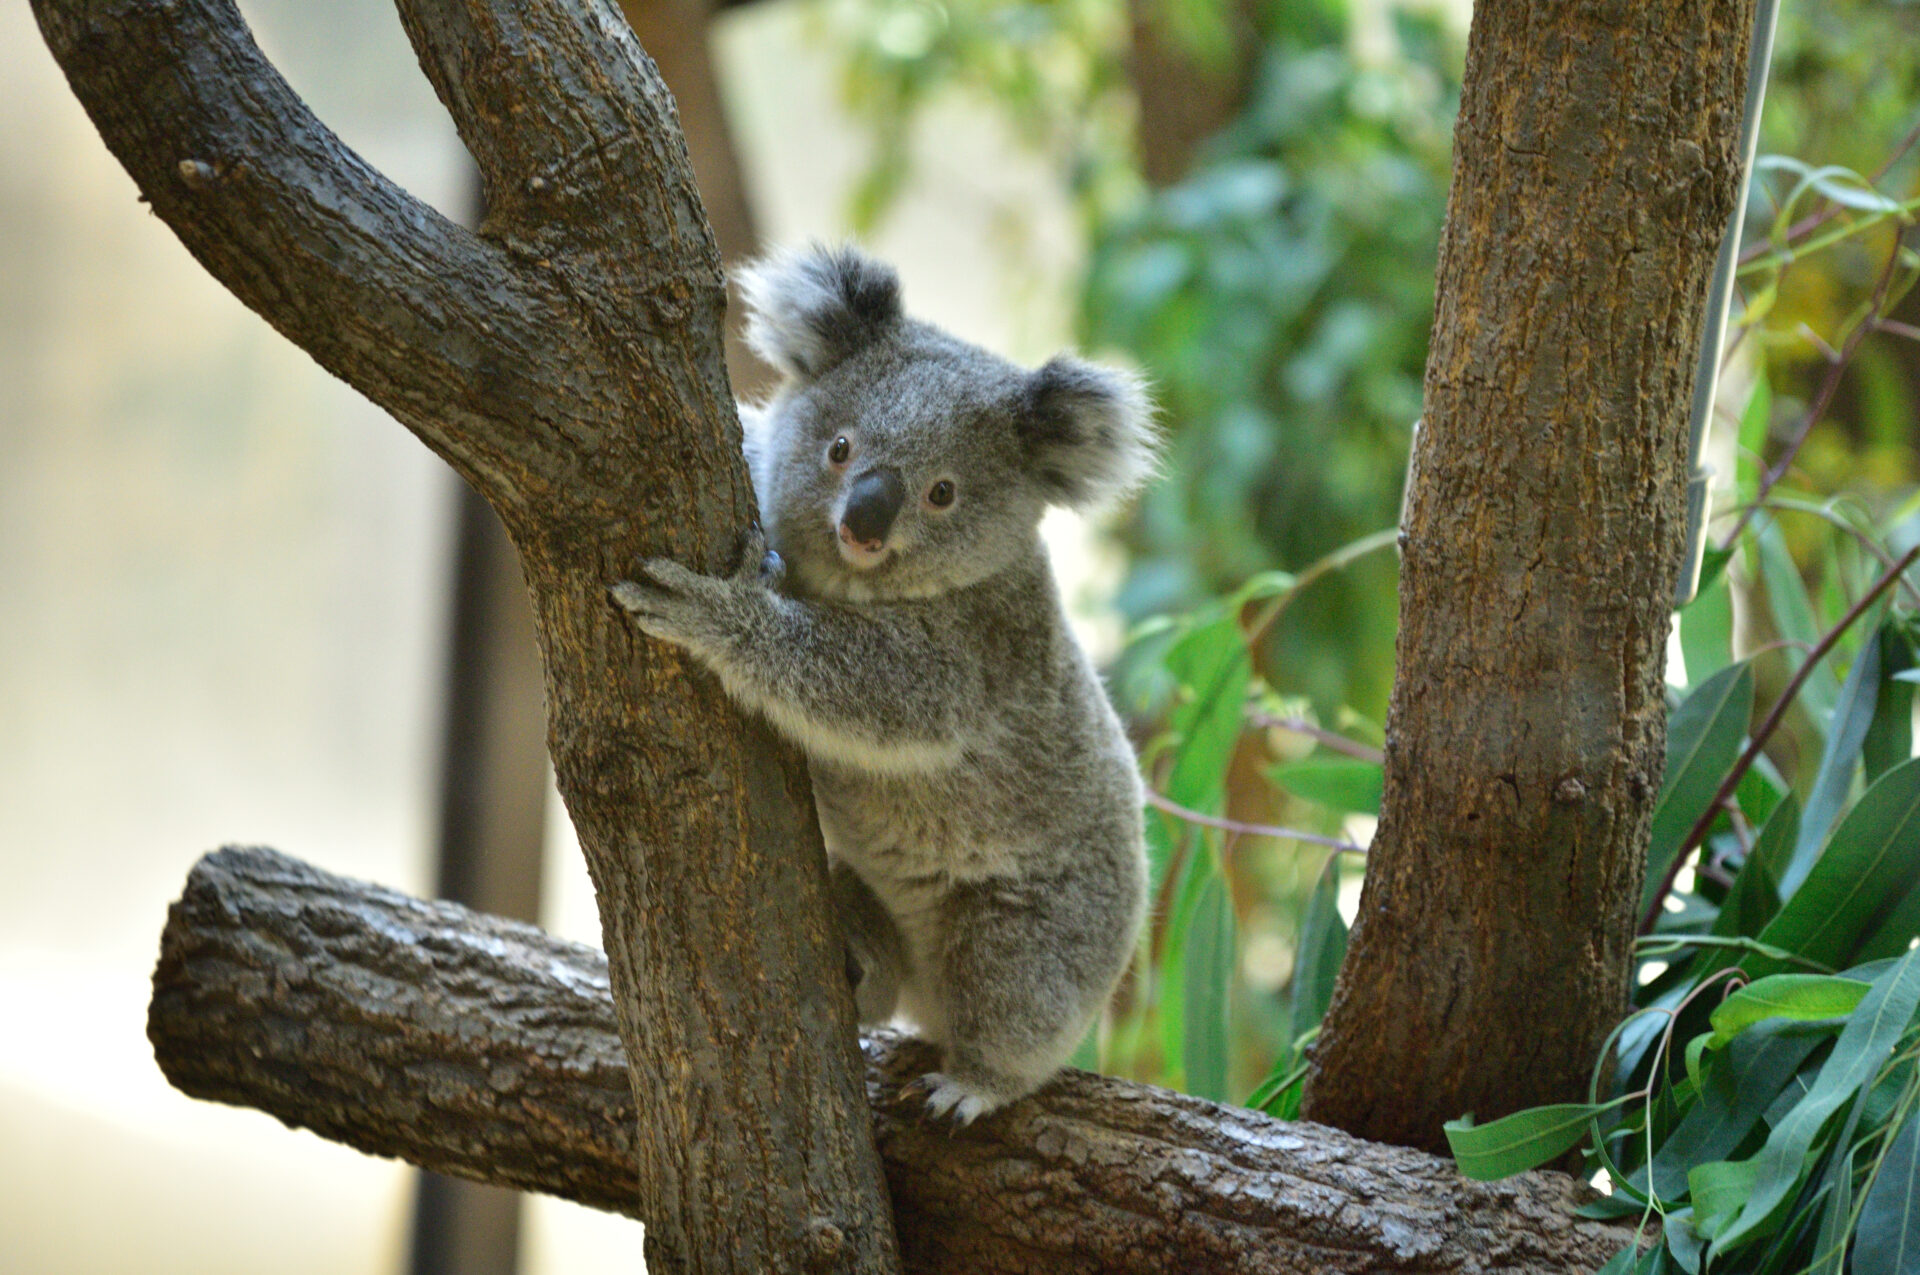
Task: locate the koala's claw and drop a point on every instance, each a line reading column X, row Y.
column 951, row 1097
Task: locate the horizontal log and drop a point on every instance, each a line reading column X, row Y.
column 483, row 1047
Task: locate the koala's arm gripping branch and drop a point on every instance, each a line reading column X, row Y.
column 874, row 686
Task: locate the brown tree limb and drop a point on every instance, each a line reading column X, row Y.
column 567, row 360
column 1595, row 163
column 484, row 1047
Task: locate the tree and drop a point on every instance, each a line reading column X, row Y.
column 566, row 361
column 1526, row 733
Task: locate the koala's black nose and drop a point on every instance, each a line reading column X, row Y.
column 873, row 502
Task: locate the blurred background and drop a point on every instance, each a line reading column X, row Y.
column 240, row 605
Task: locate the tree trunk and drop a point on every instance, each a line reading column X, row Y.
column 566, row 360
column 1595, row 164
column 479, row 1046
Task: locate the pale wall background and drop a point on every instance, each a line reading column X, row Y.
column 222, row 585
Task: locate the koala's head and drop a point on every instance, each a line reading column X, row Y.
column 898, row 461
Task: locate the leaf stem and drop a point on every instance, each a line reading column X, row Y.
column 1301, row 726
column 1700, row 826
column 1182, row 813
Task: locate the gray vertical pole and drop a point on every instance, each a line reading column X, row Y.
column 1719, row 302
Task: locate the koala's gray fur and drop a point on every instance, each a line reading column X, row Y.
column 980, row 803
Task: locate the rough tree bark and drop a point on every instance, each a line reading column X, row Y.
column 1595, row 164
column 566, row 360
column 480, row 1046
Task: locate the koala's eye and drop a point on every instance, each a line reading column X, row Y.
column 940, row 495
column 840, row 450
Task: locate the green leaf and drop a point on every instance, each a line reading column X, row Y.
column 1170, row 976
column 1323, row 945
column 1887, row 1238
column 1802, row 997
column 1834, row 780
column 1521, row 1141
column 1755, row 422
column 1893, row 931
column 1794, row 617
column 1209, row 966
column 1719, row 1189
column 1755, row 897
column 1346, row 784
column 1211, row 665
column 1871, row 862
column 1889, row 738
column 1706, row 626
column 1864, row 1046
column 1737, row 1089
column 1703, row 739
column 1686, row 1245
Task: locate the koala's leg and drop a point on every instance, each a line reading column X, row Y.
column 876, row 955
column 1022, row 976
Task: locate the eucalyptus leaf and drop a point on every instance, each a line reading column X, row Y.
column 1706, row 627
column 1345, row 784
column 1323, row 945
column 1889, row 738
column 1755, row 897
column 1703, row 739
column 1872, row 859
column 1864, row 1046
column 1887, row 1239
column 1521, row 1141
column 1211, row 665
column 1209, row 966
column 1793, row 996
column 1737, row 1088
column 1834, row 779
column 1795, row 618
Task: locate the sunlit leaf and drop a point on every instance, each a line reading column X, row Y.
column 1345, row 784
column 1795, row 996
column 1209, row 967
column 1521, row 1141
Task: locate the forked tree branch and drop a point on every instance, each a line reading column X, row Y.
column 566, row 359
column 484, row 1047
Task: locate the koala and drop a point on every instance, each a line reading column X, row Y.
column 980, row 803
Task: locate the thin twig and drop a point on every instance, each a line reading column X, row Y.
column 1301, row 726
column 1700, row 826
column 1180, row 812
column 1813, row 221
column 1334, row 561
column 1829, row 385
column 1897, row 328
column 1782, row 504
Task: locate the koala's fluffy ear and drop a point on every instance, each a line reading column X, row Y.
column 809, row 309
column 1089, row 432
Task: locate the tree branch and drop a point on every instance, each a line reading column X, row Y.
column 484, row 1047
column 567, row 361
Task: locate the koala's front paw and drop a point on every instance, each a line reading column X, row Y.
column 666, row 599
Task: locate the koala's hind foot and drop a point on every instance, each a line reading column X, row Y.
column 967, row 1089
